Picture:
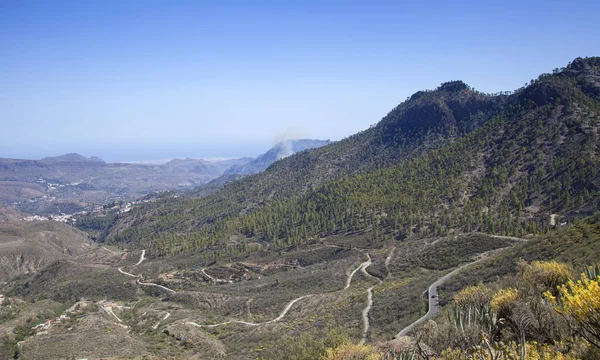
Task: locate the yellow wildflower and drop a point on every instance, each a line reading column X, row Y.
column 352, row 352
column 502, row 300
column 477, row 296
column 581, row 301
column 547, row 274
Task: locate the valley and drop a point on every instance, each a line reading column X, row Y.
column 368, row 242
column 335, row 284
column 72, row 184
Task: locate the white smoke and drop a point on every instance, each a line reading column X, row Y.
column 285, row 149
column 284, row 141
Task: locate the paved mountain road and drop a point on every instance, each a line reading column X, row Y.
column 432, row 294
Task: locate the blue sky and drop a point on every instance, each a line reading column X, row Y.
column 139, row 80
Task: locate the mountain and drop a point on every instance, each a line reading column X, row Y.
column 348, row 243
column 73, row 158
column 447, row 159
column 72, row 183
column 279, row 151
column 198, row 166
column 212, row 168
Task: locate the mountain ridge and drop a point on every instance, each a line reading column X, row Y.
column 303, row 183
column 447, row 177
column 71, row 157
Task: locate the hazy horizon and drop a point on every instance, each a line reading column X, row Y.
column 142, row 152
column 132, row 81
column 148, row 153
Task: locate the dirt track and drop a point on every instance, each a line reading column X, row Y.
column 289, row 305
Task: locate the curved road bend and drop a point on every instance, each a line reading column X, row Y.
column 363, row 265
column 128, row 274
column 283, row 313
column 161, row 320
column 142, row 257
column 367, row 309
column 432, row 295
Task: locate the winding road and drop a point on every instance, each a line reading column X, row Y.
column 128, row 274
column 365, row 314
column 161, row 320
column 138, row 277
column 367, row 309
column 289, row 305
column 432, row 292
column 283, row 313
column 432, row 295
column 349, row 280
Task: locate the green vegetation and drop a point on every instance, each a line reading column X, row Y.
column 66, row 280
column 96, row 226
column 512, row 319
column 306, row 346
column 577, row 244
column 505, row 172
column 419, row 194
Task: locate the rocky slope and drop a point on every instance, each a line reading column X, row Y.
column 26, row 247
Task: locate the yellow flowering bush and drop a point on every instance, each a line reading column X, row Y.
column 477, row 296
column 581, row 301
column 547, row 274
column 352, row 352
column 502, row 300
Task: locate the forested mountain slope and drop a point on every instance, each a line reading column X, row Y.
column 427, row 120
column 445, row 160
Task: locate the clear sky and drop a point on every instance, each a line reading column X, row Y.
column 139, row 80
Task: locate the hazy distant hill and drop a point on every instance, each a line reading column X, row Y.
column 212, row 168
column 72, row 182
column 73, row 157
column 279, row 151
